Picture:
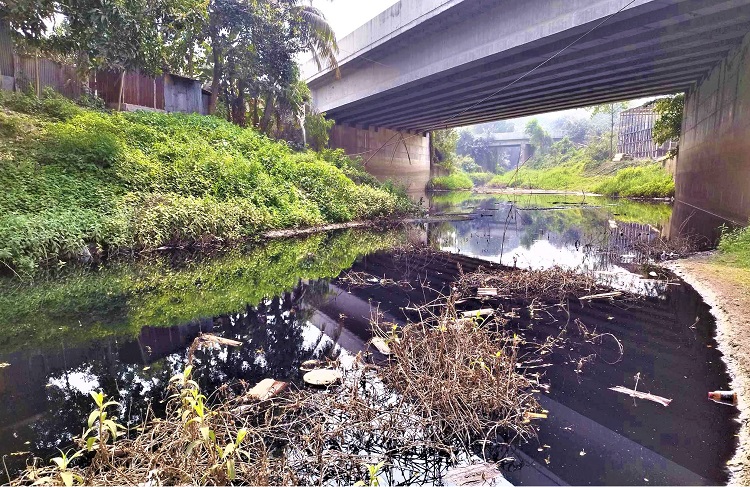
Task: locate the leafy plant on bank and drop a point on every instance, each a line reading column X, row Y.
column 79, row 181
column 734, row 246
column 454, row 181
column 669, row 123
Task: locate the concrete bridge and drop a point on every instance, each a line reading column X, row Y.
column 423, row 65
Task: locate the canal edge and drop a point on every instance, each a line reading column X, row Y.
column 729, row 337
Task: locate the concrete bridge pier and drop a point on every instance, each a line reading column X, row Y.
column 388, row 154
column 712, row 180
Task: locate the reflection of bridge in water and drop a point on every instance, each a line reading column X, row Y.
column 624, row 442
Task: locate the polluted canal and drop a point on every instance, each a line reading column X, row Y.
column 125, row 328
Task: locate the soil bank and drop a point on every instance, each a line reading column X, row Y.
column 727, row 290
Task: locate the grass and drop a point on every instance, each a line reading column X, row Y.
column 77, row 180
column 454, row 181
column 646, row 181
column 734, row 248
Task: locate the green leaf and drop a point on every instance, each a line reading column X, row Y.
column 191, row 446
column 60, row 462
column 93, row 416
column 205, row 433
column 228, row 451
column 67, row 478
column 90, row 443
column 240, row 436
column 98, row 397
column 230, row 469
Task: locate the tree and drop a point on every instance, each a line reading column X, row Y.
column 576, row 129
column 95, row 34
column 668, row 125
column 613, row 110
column 538, row 137
column 444, row 144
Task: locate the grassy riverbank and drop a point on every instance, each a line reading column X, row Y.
column 77, row 180
column 646, row 181
column 734, row 248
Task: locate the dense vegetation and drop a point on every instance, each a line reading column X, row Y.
column 734, row 247
column 77, row 180
column 245, row 51
column 645, row 181
column 454, row 181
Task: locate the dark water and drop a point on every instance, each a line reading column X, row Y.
column 124, row 328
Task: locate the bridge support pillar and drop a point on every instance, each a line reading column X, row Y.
column 388, row 154
column 712, row 176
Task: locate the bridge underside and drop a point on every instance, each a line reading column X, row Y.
column 453, row 70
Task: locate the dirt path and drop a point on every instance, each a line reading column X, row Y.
column 727, row 290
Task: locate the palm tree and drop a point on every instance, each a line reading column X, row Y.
column 320, row 39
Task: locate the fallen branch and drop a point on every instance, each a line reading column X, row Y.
column 641, row 395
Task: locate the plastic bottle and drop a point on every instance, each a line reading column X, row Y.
column 723, row 397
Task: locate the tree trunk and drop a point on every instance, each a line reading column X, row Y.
column 239, row 105
column 256, row 115
column 214, row 83
column 267, row 112
column 122, row 90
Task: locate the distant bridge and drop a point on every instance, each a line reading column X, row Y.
column 427, row 64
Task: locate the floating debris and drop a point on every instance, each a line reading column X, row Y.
column 724, row 397
column 590, row 297
column 477, row 474
column 642, row 395
column 487, row 291
column 381, row 345
column 477, row 313
column 322, row 377
column 265, row 389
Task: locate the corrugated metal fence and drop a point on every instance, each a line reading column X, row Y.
column 635, row 138
column 35, row 73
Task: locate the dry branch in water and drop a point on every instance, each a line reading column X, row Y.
column 449, row 385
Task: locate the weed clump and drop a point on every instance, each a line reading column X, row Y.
column 734, row 246
column 84, row 178
column 647, row 181
column 454, row 181
column 291, row 436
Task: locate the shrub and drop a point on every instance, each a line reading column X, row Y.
column 453, row 181
column 650, row 181
column 145, row 180
column 734, row 246
column 480, row 178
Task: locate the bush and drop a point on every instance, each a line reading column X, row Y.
column 453, row 181
column 480, row 178
column 734, row 246
column 650, row 181
column 144, row 180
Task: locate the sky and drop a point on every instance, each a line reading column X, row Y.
column 346, row 15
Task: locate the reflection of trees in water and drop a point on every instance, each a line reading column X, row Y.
column 273, row 340
column 274, row 345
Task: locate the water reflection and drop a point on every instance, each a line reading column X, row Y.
column 124, row 328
